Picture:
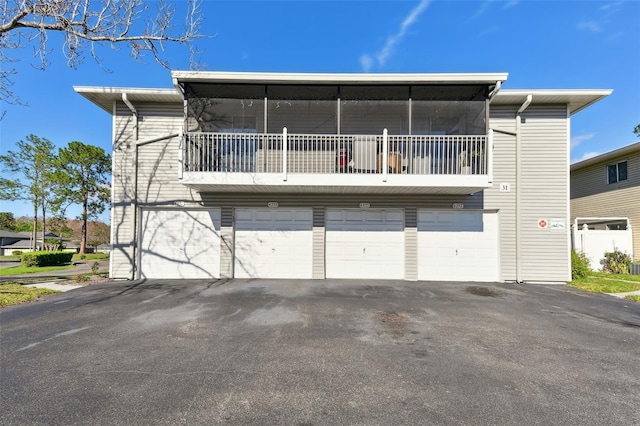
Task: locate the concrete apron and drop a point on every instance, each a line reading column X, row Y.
column 51, row 285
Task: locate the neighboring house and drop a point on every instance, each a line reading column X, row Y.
column 8, row 238
column 608, row 186
column 395, row 176
column 21, row 241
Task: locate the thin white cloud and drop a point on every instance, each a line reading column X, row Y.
column 488, row 31
column 586, row 156
column 366, row 60
column 482, row 9
column 611, row 7
column 511, row 4
column 592, row 26
column 613, row 36
column 577, row 140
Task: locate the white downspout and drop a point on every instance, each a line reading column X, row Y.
column 134, row 227
column 495, row 90
column 524, row 106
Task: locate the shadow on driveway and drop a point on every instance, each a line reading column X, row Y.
column 317, row 352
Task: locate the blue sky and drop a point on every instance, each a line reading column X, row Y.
column 541, row 44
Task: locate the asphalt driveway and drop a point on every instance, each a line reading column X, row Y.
column 323, row 352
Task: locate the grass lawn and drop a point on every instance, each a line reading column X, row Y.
column 19, row 270
column 598, row 282
column 13, row 293
column 90, row 256
column 633, row 298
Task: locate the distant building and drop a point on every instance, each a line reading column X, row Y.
column 609, row 186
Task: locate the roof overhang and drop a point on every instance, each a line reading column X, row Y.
column 577, row 99
column 104, row 97
column 626, row 150
column 180, row 77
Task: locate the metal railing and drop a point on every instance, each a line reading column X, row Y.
column 326, row 154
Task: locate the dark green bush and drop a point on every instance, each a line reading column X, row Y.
column 579, row 265
column 45, row 258
column 616, row 262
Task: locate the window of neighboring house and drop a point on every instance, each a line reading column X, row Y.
column 617, row 172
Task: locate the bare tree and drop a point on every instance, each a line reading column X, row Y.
column 86, row 24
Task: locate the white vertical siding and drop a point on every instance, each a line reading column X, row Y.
column 411, row 254
column 121, row 257
column 504, row 172
column 410, row 244
column 157, row 174
column 226, row 252
column 545, row 186
column 544, row 254
column 318, row 243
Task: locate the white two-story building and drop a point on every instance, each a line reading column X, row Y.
column 439, row 177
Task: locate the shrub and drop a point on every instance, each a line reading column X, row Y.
column 94, row 268
column 16, row 252
column 616, row 262
column 83, row 257
column 80, row 278
column 45, row 258
column 579, row 265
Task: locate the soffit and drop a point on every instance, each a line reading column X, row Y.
column 105, row 96
column 577, row 99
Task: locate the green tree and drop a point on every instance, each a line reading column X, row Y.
column 29, row 168
column 7, row 221
column 84, row 179
column 25, row 224
column 637, row 131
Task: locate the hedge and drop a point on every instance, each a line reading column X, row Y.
column 45, row 258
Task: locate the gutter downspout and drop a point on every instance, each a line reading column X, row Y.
column 524, row 106
column 134, row 239
column 495, row 90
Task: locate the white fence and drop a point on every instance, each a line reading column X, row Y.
column 594, row 243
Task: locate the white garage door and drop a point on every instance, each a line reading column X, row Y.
column 273, row 243
column 180, row 244
column 365, row 244
column 457, row 246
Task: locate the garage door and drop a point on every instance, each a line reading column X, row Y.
column 365, row 244
column 180, row 244
column 273, row 243
column 457, row 246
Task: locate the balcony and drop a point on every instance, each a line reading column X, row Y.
column 253, row 162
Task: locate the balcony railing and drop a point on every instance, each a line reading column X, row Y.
column 329, row 154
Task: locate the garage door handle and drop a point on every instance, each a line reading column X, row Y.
column 456, row 252
column 364, row 250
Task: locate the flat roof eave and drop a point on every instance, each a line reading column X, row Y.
column 335, row 78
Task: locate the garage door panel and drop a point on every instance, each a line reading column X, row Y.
column 180, row 244
column 365, row 244
column 457, row 246
column 273, row 243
